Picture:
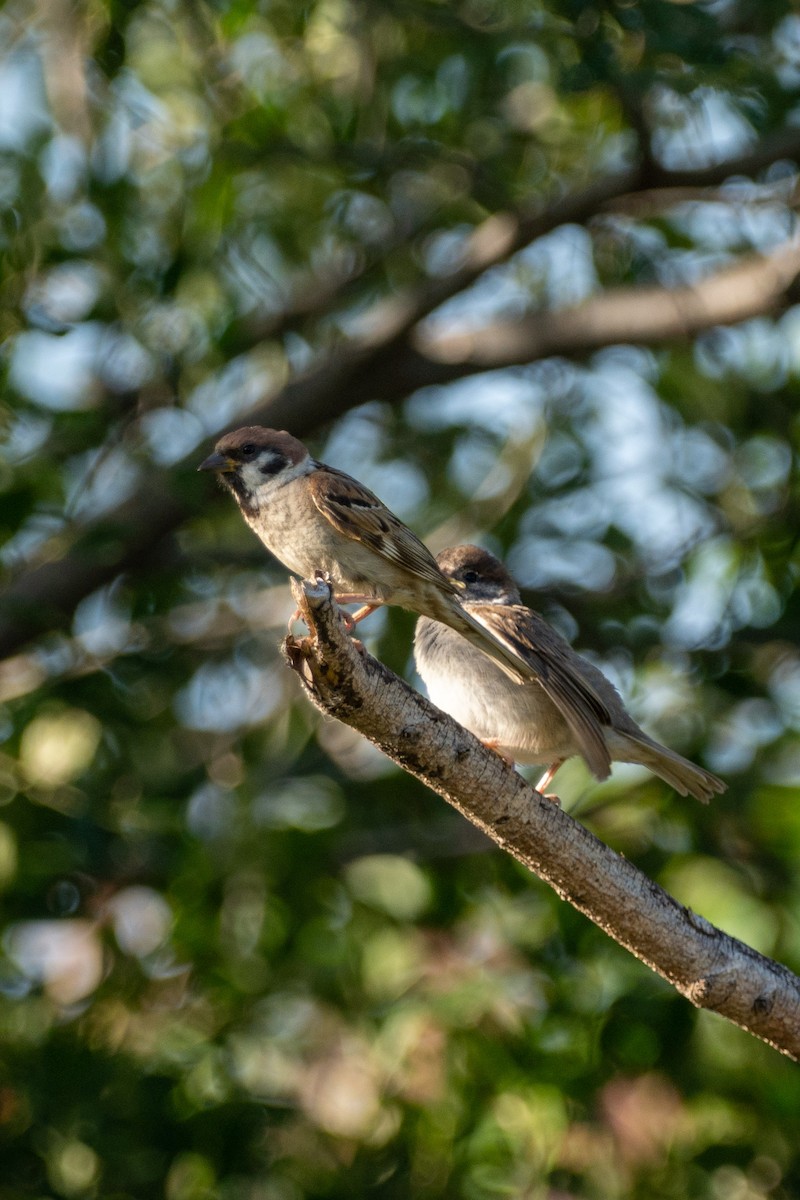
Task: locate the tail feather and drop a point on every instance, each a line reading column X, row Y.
column 686, row 777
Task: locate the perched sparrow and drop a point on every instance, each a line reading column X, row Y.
column 320, row 522
column 563, row 712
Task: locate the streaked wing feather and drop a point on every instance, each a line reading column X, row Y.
column 357, row 513
column 533, row 640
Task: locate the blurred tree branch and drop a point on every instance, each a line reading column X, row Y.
column 390, row 360
column 710, row 968
column 749, row 287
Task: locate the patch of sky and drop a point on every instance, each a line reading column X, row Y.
column 123, row 364
column 310, row 804
column 700, row 616
column 63, row 165
column 561, row 462
column 230, row 695
column 210, row 811
column 356, row 445
column 99, row 480
column 760, row 351
column 111, row 150
column 719, row 226
column 255, row 271
column 23, row 109
column 25, row 437
column 555, row 271
column 698, row 461
column 364, row 216
column 502, row 402
column 57, row 372
column 786, row 50
column 746, row 728
column 419, row 101
column 32, row 535
column 789, row 326
column 102, row 622
column 630, row 440
column 81, row 227
column 764, row 462
column 540, row 562
column 784, row 687
column 257, row 60
column 65, row 294
column 230, row 392
column 170, row 434
column 473, row 465
column 698, row 129
column 679, row 268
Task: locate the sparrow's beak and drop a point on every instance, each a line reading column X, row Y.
column 217, row 462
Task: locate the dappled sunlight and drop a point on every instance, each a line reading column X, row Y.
column 243, row 956
column 56, row 748
column 141, row 920
column 228, row 695
column 65, row 957
column 698, row 128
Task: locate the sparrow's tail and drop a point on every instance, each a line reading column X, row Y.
column 686, row 777
column 451, row 613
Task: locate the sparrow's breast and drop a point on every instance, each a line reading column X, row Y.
column 462, row 681
column 291, row 526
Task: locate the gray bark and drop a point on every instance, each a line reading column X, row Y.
column 710, row 968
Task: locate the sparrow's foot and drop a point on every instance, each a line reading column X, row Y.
column 493, row 744
column 368, row 606
column 547, row 779
column 362, row 612
column 297, row 615
column 348, row 621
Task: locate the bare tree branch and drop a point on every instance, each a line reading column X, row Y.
column 644, row 205
column 708, row 967
column 751, row 286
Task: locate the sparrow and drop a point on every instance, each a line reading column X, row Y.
column 564, row 710
column 320, row 522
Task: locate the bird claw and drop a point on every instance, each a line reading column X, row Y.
column 367, row 606
column 492, row 744
column 350, row 619
column 548, row 777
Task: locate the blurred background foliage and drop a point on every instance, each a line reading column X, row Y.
column 242, row 956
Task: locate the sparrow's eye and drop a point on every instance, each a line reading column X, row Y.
column 470, row 577
column 249, row 451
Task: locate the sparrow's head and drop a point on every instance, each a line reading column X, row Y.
column 482, row 577
column 250, row 459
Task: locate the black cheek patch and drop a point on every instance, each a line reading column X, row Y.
column 274, row 464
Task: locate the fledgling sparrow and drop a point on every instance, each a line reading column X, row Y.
column 563, row 712
column 320, row 522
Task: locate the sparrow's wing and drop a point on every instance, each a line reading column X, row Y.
column 553, row 660
column 357, row 513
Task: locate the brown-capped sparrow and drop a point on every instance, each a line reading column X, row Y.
column 565, row 711
column 320, row 522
